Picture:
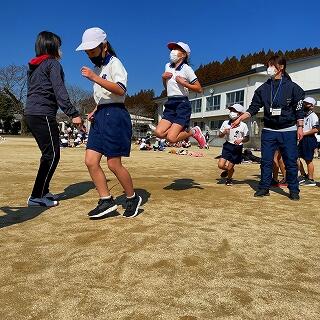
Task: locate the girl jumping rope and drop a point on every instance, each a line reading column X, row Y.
column 178, row 79
column 111, row 129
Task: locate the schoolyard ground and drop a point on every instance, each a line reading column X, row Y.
column 197, row 250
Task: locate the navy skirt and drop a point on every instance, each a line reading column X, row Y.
column 306, row 147
column 232, row 152
column 111, row 131
column 178, row 110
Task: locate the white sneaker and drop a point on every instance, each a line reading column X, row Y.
column 41, row 202
column 51, row 196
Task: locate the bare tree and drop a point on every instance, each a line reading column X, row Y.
column 81, row 99
column 13, row 82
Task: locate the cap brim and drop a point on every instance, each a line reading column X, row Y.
column 88, row 45
column 172, row 45
column 235, row 109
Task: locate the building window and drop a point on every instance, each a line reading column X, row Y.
column 213, row 103
column 215, row 124
column 200, row 124
column 196, row 105
column 235, row 97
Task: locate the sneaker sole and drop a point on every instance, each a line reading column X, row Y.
column 101, row 214
column 38, row 204
column 137, row 209
column 310, row 185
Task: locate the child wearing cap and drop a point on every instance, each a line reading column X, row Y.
column 308, row 144
column 111, row 129
column 232, row 148
column 178, row 79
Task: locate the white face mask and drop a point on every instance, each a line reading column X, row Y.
column 233, row 115
column 174, row 56
column 271, row 71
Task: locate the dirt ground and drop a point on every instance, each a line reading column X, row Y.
column 198, row 249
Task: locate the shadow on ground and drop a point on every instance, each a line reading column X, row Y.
column 183, row 184
column 16, row 215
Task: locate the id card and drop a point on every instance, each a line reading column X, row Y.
column 276, row 111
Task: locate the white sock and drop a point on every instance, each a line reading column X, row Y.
column 106, row 198
column 131, row 196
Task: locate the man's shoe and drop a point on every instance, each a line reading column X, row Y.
column 262, row 193
column 294, row 196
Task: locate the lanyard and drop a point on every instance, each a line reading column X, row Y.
column 273, row 97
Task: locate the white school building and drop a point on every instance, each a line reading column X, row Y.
column 209, row 109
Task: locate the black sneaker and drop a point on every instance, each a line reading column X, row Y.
column 229, row 182
column 132, row 207
column 262, row 193
column 302, row 179
column 294, row 196
column 309, row 183
column 224, row 174
column 104, row 207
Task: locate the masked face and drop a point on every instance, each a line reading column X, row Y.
column 307, row 107
column 272, row 71
column 233, row 115
column 97, row 60
column 174, row 56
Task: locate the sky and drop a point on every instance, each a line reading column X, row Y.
column 140, row 30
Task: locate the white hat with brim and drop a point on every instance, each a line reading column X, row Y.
column 310, row 100
column 92, row 38
column 182, row 45
column 238, row 107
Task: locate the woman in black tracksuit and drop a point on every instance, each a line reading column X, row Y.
column 46, row 93
column 281, row 100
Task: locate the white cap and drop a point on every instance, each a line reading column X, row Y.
column 182, row 45
column 92, row 38
column 310, row 100
column 238, row 107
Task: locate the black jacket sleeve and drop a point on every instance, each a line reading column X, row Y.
column 298, row 96
column 60, row 91
column 256, row 103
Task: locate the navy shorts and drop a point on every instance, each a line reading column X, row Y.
column 306, row 147
column 111, row 130
column 178, row 110
column 232, row 152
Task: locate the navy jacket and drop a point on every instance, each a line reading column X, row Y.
column 46, row 89
column 289, row 99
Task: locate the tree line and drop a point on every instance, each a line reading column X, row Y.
column 13, row 88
